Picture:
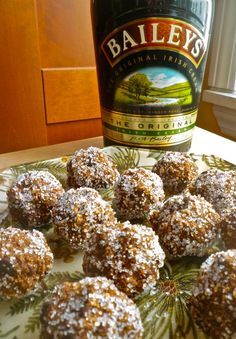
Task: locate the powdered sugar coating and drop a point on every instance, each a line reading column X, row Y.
column 186, row 225
column 177, row 171
column 91, row 168
column 128, row 254
column 217, row 187
column 91, row 308
column 213, row 304
column 137, row 192
column 25, row 258
column 228, row 227
column 32, row 196
column 78, row 213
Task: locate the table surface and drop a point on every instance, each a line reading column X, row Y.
column 204, row 142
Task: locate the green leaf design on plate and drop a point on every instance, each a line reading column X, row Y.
column 36, row 298
column 125, row 158
column 33, row 322
column 164, row 309
column 5, row 218
column 107, row 194
column 194, row 157
column 157, row 155
column 28, row 302
column 214, row 162
column 9, row 332
column 4, row 185
column 55, row 278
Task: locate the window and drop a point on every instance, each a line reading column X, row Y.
column 222, row 76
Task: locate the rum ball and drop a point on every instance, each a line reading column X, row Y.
column 228, row 228
column 25, row 259
column 213, row 301
column 90, row 308
column 91, row 168
column 187, row 225
column 32, row 197
column 137, row 192
column 78, row 213
column 217, row 187
column 130, row 255
column 177, row 171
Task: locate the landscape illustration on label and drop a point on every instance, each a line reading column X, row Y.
column 154, row 87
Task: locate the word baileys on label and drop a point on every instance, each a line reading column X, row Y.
column 157, row 33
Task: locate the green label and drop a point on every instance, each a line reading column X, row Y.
column 148, row 130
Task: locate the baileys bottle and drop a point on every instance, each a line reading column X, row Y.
column 151, row 56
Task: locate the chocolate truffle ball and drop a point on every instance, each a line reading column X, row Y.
column 137, row 192
column 228, row 228
column 78, row 213
column 25, row 259
column 186, row 225
column 217, row 187
column 32, row 196
column 177, row 171
column 213, row 301
column 91, row 168
column 91, row 308
column 128, row 254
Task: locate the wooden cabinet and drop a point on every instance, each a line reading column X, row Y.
column 48, row 79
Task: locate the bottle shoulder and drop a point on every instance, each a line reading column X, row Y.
column 109, row 14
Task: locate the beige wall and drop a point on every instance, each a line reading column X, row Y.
column 206, row 118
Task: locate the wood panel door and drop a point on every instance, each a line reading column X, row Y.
column 48, row 79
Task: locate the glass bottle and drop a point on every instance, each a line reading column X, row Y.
column 151, row 57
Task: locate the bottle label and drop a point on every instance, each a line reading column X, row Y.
column 148, row 130
column 154, row 72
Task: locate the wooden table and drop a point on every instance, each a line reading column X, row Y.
column 204, row 142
